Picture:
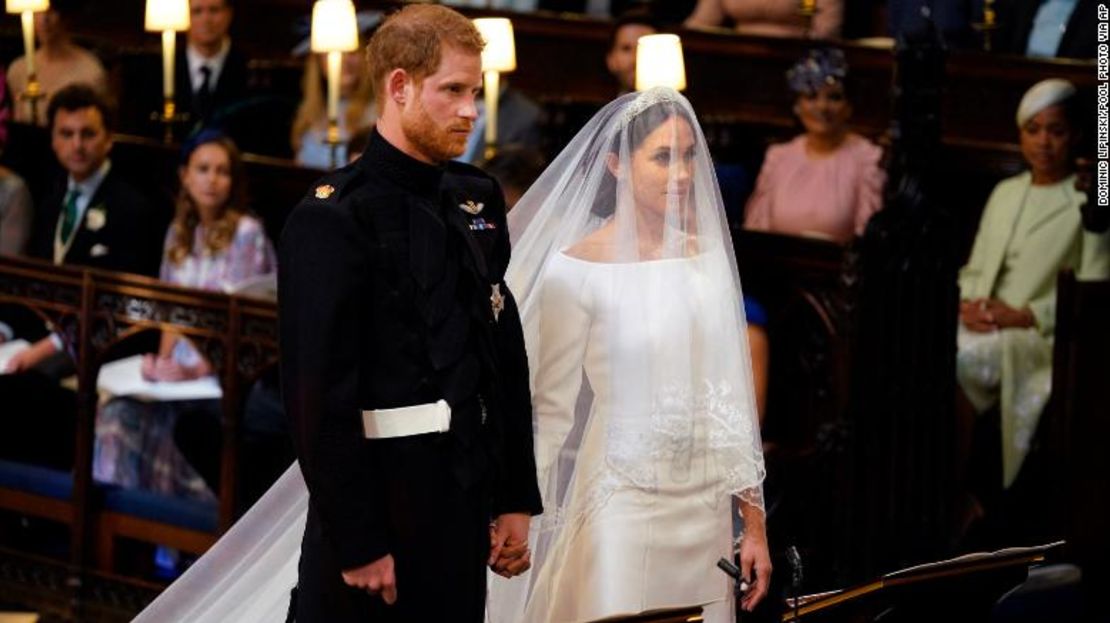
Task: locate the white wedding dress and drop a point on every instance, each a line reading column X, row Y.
column 643, row 409
column 650, row 517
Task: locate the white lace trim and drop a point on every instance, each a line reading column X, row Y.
column 682, row 425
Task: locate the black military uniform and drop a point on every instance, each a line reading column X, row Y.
column 391, row 295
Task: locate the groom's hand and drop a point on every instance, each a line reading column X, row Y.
column 509, row 555
column 374, row 578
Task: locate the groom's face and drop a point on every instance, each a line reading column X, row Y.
column 440, row 113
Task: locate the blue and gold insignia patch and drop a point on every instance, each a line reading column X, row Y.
column 481, row 224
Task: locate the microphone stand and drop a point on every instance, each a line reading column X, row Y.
column 795, row 560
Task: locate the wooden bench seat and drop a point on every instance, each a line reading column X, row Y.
column 187, row 525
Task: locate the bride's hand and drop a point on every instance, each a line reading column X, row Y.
column 512, row 561
column 755, row 564
column 509, row 553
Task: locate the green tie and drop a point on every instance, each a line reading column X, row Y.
column 69, row 216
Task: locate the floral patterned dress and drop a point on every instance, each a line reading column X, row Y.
column 134, row 445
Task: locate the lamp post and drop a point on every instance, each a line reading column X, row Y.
column 808, row 10
column 988, row 25
column 334, row 31
column 498, row 56
column 27, row 9
column 168, row 17
column 659, row 62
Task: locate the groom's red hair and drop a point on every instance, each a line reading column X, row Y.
column 413, row 39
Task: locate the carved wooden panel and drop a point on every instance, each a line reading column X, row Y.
column 126, row 309
column 31, row 286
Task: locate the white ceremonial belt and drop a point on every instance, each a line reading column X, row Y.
column 433, row 417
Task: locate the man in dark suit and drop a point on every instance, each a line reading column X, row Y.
column 403, row 363
column 1048, row 29
column 92, row 218
column 211, row 85
column 211, row 73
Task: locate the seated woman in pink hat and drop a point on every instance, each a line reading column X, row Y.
column 826, row 182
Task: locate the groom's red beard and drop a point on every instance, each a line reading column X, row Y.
column 438, row 143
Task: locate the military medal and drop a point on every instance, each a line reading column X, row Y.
column 471, row 208
column 496, row 301
column 324, row 191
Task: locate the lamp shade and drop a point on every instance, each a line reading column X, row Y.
column 500, row 51
column 334, row 26
column 164, row 15
column 19, row 6
column 659, row 62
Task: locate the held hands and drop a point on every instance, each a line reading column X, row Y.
column 508, row 545
column 755, row 564
column 375, row 578
column 509, row 556
column 155, row 368
column 986, row 315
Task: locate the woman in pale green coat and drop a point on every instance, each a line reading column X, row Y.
column 1031, row 229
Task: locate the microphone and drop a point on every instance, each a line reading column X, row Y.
column 733, row 572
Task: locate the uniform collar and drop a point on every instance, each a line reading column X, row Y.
column 418, row 177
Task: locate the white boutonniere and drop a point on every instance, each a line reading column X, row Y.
column 96, row 218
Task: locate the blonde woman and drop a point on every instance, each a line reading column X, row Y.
column 356, row 110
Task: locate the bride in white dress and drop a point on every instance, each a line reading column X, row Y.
column 644, row 413
column 642, row 398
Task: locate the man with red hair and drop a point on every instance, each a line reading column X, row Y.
column 403, row 360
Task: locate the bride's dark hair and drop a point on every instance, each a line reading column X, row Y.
column 643, row 124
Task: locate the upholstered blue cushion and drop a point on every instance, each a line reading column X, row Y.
column 37, row 480
column 191, row 514
column 52, row 483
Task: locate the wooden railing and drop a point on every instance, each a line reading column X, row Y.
column 103, row 311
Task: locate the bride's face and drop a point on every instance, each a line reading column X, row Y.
column 662, row 167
